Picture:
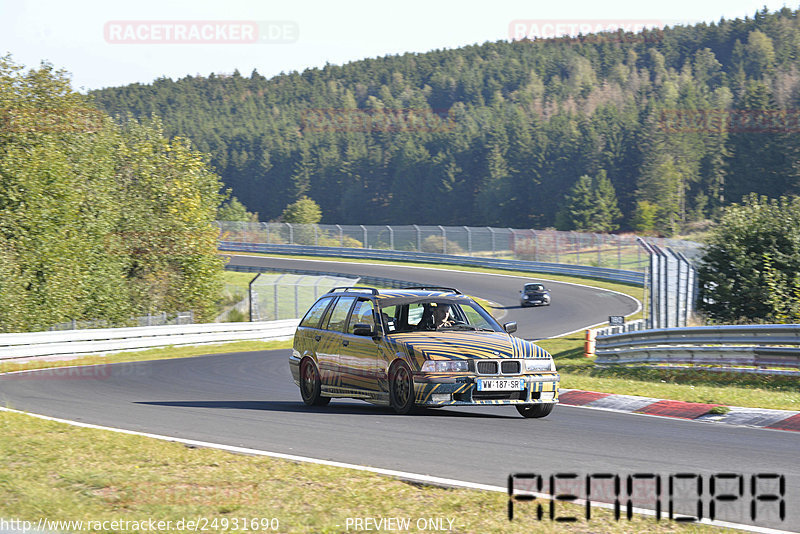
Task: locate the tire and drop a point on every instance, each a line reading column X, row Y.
column 401, row 388
column 310, row 384
column 534, row 411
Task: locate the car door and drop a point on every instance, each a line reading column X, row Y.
column 331, row 340
column 309, row 333
column 360, row 360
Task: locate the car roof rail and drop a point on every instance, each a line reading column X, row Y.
column 436, row 288
column 353, row 288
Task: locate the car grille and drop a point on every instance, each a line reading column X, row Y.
column 496, row 367
column 487, row 368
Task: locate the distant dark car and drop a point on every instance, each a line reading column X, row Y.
column 534, row 294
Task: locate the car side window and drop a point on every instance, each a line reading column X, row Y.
column 362, row 314
column 415, row 312
column 314, row 315
column 338, row 317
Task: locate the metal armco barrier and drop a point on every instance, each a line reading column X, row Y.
column 733, row 348
column 600, row 273
column 105, row 340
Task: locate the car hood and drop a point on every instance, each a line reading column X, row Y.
column 457, row 345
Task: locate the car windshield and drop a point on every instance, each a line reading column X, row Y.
column 421, row 315
column 533, row 287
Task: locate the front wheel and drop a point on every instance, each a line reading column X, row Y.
column 310, row 385
column 401, row 388
column 535, row 411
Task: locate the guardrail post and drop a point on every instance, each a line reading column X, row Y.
column 419, row 238
column 469, row 240
column 444, row 239
column 366, row 238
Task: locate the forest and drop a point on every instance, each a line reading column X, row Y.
column 653, row 132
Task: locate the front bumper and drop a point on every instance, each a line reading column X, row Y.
column 461, row 390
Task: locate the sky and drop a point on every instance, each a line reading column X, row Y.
column 104, row 43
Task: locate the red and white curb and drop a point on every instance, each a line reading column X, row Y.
column 695, row 411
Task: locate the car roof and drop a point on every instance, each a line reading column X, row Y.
column 385, row 296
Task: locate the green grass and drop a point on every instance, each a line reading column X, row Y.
column 61, row 472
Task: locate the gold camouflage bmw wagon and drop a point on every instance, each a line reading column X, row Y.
column 422, row 346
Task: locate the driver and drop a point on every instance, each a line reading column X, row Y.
column 442, row 316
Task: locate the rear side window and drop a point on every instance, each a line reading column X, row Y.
column 339, row 314
column 314, row 315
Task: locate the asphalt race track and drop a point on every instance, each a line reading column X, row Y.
column 249, row 400
column 573, row 306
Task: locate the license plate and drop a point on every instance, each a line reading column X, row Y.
column 500, row 385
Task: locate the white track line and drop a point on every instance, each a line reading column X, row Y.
column 402, row 475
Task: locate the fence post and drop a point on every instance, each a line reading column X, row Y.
column 291, row 233
column 444, row 239
column 555, row 244
column 494, row 246
column 391, row 237
column 366, row 237
column 316, row 236
column 619, row 253
column 297, row 297
column 419, row 238
column 266, row 227
column 469, row 240
column 250, row 296
column 513, row 243
column 576, row 241
column 599, row 248
column 341, row 235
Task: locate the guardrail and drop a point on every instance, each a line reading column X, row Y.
column 600, row 273
column 106, row 340
column 754, row 348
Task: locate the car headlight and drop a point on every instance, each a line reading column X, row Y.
column 445, row 366
column 540, row 364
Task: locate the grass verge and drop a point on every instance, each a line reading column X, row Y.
column 59, row 472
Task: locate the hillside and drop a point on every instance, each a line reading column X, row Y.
column 682, row 121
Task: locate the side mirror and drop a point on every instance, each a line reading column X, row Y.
column 510, row 327
column 361, row 329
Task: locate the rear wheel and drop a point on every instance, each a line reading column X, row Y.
column 534, row 410
column 401, row 388
column 310, row 385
